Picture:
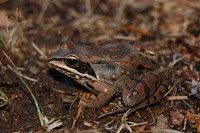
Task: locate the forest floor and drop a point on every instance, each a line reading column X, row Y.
column 30, row 31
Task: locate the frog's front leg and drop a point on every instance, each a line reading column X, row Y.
column 104, row 97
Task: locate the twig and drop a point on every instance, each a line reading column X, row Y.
column 177, row 97
column 129, row 38
column 40, row 115
column 133, row 124
column 23, row 76
column 185, row 123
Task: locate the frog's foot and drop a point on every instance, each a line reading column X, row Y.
column 101, row 100
column 106, row 93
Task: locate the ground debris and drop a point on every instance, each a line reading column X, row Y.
column 31, row 30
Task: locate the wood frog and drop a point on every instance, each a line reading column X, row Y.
column 113, row 69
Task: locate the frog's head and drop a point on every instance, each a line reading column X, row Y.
column 86, row 67
column 89, row 62
column 69, row 63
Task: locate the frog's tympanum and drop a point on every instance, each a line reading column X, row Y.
column 114, row 69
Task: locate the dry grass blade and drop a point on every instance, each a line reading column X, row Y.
column 40, row 115
column 38, row 50
column 133, row 124
column 5, row 102
column 171, row 64
column 128, row 124
column 88, row 7
column 45, row 5
column 52, row 124
column 120, row 11
column 122, row 126
column 171, row 88
column 27, row 78
column 3, row 98
column 80, row 110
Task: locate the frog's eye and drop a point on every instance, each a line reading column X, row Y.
column 71, row 60
column 72, row 56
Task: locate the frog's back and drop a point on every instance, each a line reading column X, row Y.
column 107, row 50
column 120, row 53
column 123, row 51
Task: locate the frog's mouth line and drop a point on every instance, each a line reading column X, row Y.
column 71, row 72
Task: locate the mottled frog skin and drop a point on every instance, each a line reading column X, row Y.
column 114, row 69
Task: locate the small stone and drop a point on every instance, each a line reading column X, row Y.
column 33, row 70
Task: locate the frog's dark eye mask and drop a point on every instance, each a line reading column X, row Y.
column 74, row 67
column 73, row 62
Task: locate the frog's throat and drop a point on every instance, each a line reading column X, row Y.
column 69, row 71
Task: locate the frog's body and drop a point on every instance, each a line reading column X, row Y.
column 111, row 69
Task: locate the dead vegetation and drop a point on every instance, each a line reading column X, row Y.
column 29, row 89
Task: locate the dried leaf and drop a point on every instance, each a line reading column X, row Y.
column 190, row 114
column 198, row 125
column 193, row 119
column 52, row 124
column 176, row 117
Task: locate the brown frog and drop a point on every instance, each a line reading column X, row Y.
column 113, row 69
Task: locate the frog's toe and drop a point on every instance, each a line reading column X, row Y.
column 92, row 104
